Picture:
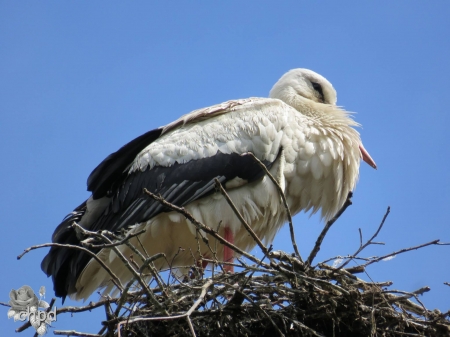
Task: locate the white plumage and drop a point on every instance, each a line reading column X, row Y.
column 299, row 133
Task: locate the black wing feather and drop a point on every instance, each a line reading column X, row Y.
column 112, row 169
column 59, row 261
column 179, row 184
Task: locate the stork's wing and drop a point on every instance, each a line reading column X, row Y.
column 179, row 184
column 117, row 185
column 111, row 170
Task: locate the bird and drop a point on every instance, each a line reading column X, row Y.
column 307, row 142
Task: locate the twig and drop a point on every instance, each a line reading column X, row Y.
column 404, row 250
column 74, row 333
column 327, row 227
column 125, row 261
column 283, row 197
column 201, row 297
column 239, row 299
column 303, row 326
column 370, row 241
column 201, row 226
column 113, row 244
column 187, row 314
column 258, row 308
column 408, row 295
column 344, row 257
column 148, row 262
column 115, row 279
column 190, row 326
column 121, row 301
column 241, row 218
column 88, row 307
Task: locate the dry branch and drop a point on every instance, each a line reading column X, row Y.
column 327, row 227
column 283, row 197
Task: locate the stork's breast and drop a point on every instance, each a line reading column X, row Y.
column 315, row 169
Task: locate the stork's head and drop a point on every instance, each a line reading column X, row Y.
column 300, row 87
column 299, row 84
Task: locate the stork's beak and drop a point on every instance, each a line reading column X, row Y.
column 366, row 157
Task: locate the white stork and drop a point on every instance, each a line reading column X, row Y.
column 305, row 140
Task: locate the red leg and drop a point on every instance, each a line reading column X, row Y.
column 227, row 251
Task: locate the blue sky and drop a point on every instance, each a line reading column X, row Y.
column 79, row 79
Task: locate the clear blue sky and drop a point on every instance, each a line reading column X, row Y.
column 78, row 79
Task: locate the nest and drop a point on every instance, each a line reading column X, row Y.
column 285, row 299
column 279, row 294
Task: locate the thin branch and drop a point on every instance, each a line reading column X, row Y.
column 187, row 314
column 201, row 226
column 339, row 257
column 407, row 294
column 283, row 197
column 370, row 241
column 404, row 250
column 89, row 307
column 190, row 326
column 240, row 217
column 115, row 279
column 125, row 261
column 150, row 266
column 259, row 308
column 121, row 301
column 113, row 244
column 74, row 333
column 327, row 227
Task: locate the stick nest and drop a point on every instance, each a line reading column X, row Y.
column 276, row 295
column 286, row 299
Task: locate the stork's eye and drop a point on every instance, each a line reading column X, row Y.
column 317, row 87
